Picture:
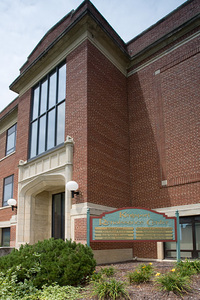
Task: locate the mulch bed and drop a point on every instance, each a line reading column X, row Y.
column 147, row 291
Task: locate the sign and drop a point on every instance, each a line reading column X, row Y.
column 132, row 224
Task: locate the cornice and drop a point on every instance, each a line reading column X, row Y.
column 90, row 25
column 164, row 53
column 166, row 40
column 85, row 28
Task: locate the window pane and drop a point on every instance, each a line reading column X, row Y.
column 52, row 90
column 171, row 254
column 5, row 237
column 10, row 142
column 33, row 150
column 11, row 130
column 8, row 189
column 42, row 131
column 7, row 193
column 186, row 254
column 62, row 83
column 35, row 103
column 186, row 236
column 170, row 246
column 8, row 180
column 51, row 129
column 43, row 100
column 11, row 139
column 60, row 124
column 197, row 232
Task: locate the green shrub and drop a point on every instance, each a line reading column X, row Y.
column 13, row 290
column 188, row 268
column 142, row 274
column 49, row 261
column 173, row 281
column 196, row 265
column 109, row 289
column 96, row 276
column 108, row 271
column 10, row 288
column 56, row 292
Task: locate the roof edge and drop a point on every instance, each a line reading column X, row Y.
column 158, row 22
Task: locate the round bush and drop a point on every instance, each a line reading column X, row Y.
column 49, row 261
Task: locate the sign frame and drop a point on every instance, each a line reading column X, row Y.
column 145, row 211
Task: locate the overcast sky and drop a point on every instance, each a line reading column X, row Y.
column 24, row 22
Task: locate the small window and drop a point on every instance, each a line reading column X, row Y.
column 5, row 237
column 8, row 189
column 11, row 139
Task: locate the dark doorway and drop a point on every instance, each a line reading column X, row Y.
column 190, row 239
column 58, row 216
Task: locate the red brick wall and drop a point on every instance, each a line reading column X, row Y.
column 145, row 250
column 23, row 123
column 164, row 130
column 179, row 86
column 8, row 108
column 80, row 230
column 164, row 114
column 108, row 136
column 3, row 144
column 5, row 214
column 111, row 245
column 97, row 119
column 76, row 114
column 9, row 166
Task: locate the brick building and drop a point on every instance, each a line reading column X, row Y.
column 121, row 119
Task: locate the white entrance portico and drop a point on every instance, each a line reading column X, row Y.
column 38, row 180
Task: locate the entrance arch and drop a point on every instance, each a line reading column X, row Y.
column 35, row 207
column 38, row 179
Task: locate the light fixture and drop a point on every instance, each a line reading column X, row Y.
column 12, row 203
column 72, row 186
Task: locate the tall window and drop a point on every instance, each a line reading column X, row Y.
column 11, row 139
column 8, row 189
column 5, row 237
column 48, row 112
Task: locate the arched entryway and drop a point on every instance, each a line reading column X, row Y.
column 35, row 210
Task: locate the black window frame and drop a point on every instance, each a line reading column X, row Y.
column 46, row 114
column 2, row 236
column 11, row 150
column 4, row 202
column 195, row 254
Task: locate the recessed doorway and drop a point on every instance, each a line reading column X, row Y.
column 58, row 216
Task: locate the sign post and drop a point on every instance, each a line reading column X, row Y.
column 178, row 253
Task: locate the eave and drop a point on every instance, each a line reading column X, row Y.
column 86, row 26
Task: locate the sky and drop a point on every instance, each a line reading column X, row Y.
column 23, row 23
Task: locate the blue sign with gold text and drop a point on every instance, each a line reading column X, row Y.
column 132, row 224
